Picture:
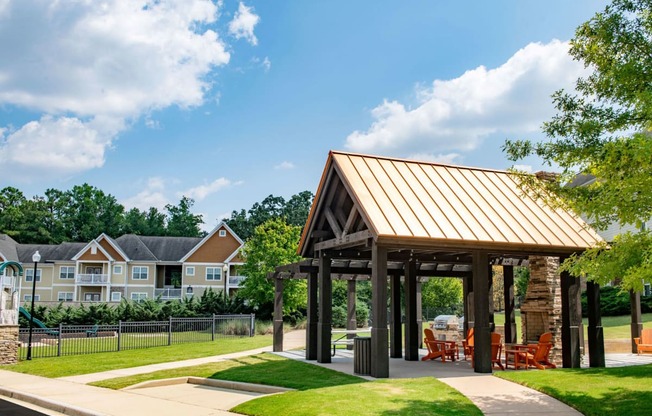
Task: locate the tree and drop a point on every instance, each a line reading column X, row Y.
column 442, row 294
column 521, row 280
column 134, row 222
column 154, row 222
column 294, row 211
column 603, row 130
column 182, row 222
column 272, row 244
column 11, row 214
column 86, row 212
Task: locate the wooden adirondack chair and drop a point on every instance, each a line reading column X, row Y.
column 496, row 348
column 436, row 349
column 467, row 344
column 537, row 355
column 644, row 343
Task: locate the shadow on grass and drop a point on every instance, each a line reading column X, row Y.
column 263, row 369
column 427, row 407
column 618, row 401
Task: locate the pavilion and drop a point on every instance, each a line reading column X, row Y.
column 398, row 221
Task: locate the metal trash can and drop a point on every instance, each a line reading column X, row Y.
column 362, row 355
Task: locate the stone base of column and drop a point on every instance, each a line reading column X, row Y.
column 9, row 344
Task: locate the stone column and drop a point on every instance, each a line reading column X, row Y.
column 8, row 344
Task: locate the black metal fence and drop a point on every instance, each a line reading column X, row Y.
column 90, row 339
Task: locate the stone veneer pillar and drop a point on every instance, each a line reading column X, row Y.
column 8, row 344
column 541, row 309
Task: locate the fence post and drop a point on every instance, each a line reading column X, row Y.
column 213, row 328
column 252, row 325
column 119, row 333
column 60, row 338
column 170, row 331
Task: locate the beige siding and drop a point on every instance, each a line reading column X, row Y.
column 151, row 274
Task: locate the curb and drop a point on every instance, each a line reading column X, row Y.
column 223, row 384
column 48, row 404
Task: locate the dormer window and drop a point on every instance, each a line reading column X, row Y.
column 222, row 233
column 93, row 250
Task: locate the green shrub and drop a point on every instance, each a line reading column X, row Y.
column 615, row 302
column 339, row 316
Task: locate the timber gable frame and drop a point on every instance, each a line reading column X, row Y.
column 394, row 220
column 130, row 266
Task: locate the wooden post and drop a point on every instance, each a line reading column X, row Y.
column 490, row 298
column 469, row 304
column 571, row 320
column 482, row 333
column 594, row 331
column 510, row 317
column 411, row 328
column 395, row 333
column 351, row 322
column 311, row 326
column 637, row 324
column 278, row 315
column 419, row 315
column 324, row 326
column 379, row 335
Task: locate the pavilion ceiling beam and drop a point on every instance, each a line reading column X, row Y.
column 353, row 215
column 332, row 222
column 350, row 240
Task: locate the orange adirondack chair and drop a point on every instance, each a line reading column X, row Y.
column 436, row 349
column 644, row 343
column 496, row 348
column 467, row 344
column 538, row 354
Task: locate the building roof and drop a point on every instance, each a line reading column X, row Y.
column 8, row 248
column 435, row 204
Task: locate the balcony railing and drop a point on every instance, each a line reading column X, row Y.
column 92, row 279
column 235, row 281
column 8, row 281
column 168, row 293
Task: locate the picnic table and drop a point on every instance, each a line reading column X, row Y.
column 343, row 336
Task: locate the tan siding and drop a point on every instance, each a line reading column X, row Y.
column 215, row 250
column 88, row 256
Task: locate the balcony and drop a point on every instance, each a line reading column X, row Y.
column 92, row 279
column 235, row 281
column 167, row 293
column 8, row 281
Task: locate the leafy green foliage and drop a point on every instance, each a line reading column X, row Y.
column 521, row 280
column 294, row 212
column 444, row 295
column 604, row 130
column 272, row 244
column 182, row 222
column 615, row 302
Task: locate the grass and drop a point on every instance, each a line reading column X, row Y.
column 596, row 391
column 616, row 327
column 321, row 391
column 93, row 363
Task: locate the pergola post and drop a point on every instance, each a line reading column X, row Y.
column 419, row 315
column 482, row 337
column 508, row 293
column 395, row 336
column 571, row 319
column 324, row 326
column 411, row 327
column 351, row 322
column 379, row 353
column 311, row 326
column 469, row 311
column 594, row 331
column 490, row 298
column 637, row 324
column 278, row 315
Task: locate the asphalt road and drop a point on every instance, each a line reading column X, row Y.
column 12, row 409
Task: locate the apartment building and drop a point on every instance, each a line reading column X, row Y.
column 130, row 266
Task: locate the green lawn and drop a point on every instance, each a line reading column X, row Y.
column 596, row 391
column 92, row 363
column 321, row 391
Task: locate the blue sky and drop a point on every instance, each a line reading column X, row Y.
column 227, row 102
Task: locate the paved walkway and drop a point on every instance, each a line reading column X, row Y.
column 71, row 395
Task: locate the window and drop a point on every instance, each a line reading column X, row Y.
column 29, row 275
column 213, row 273
column 116, row 296
column 28, row 298
column 222, row 233
column 139, row 273
column 190, row 271
column 117, row 269
column 647, row 290
column 93, row 250
column 65, row 296
column 92, row 297
column 67, row 272
column 138, row 296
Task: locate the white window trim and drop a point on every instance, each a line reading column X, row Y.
column 133, row 272
column 113, row 297
column 28, row 298
column 39, row 274
column 190, row 270
column 65, row 298
column 213, row 279
column 66, row 267
column 117, row 267
column 222, row 233
column 93, row 293
column 140, row 295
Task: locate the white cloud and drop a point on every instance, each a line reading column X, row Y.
column 103, row 64
column 152, row 196
column 285, row 165
column 243, row 23
column 448, row 158
column 198, row 193
column 267, row 64
column 524, row 168
column 457, row 114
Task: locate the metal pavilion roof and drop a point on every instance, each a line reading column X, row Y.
column 411, row 203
